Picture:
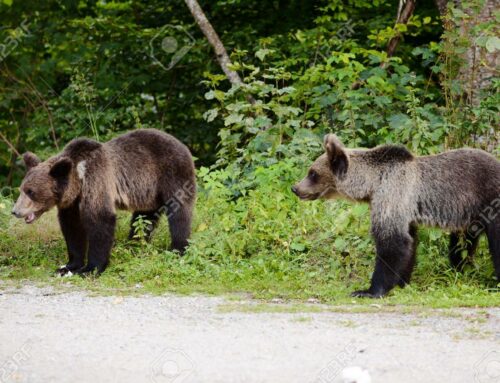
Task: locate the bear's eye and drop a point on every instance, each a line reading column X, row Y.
column 313, row 176
column 30, row 193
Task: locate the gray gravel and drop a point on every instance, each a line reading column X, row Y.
column 49, row 336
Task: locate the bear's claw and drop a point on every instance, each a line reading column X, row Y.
column 68, row 270
column 63, row 271
column 89, row 270
column 366, row 294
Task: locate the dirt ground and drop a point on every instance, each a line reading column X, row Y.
column 51, row 336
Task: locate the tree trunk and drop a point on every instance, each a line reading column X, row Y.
column 214, row 40
column 479, row 65
column 404, row 13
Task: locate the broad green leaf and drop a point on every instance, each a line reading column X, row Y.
column 493, row 44
column 262, row 53
column 233, row 119
column 297, row 246
column 210, row 114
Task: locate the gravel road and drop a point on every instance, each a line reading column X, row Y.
column 51, row 336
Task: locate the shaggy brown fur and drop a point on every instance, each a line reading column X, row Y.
column 457, row 190
column 146, row 171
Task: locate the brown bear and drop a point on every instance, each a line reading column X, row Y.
column 457, row 190
column 146, row 171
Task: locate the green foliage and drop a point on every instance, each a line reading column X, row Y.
column 363, row 96
column 141, row 227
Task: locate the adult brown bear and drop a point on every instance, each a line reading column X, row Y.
column 457, row 190
column 146, row 171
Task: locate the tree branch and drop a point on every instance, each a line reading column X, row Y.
column 9, row 144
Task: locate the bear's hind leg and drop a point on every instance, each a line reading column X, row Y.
column 457, row 261
column 100, row 227
column 393, row 265
column 179, row 223
column 75, row 236
column 151, row 216
column 493, row 233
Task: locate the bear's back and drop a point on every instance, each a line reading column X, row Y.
column 463, row 169
column 455, row 186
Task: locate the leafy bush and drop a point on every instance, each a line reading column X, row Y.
column 391, row 105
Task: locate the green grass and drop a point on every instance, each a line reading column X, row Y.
column 265, row 244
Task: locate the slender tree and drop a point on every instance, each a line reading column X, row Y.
column 405, row 11
column 214, row 40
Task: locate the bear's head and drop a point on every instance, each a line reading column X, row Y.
column 45, row 185
column 325, row 173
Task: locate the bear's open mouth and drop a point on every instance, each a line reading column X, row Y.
column 309, row 197
column 31, row 217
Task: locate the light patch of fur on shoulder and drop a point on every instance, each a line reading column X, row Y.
column 81, row 168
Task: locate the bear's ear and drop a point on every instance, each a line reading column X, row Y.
column 61, row 168
column 337, row 156
column 30, row 160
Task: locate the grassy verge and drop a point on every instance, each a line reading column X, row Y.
column 33, row 252
column 265, row 244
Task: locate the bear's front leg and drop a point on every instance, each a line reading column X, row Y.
column 100, row 227
column 395, row 260
column 75, row 236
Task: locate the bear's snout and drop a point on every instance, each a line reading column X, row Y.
column 295, row 190
column 16, row 214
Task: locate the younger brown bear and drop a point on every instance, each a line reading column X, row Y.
column 145, row 171
column 457, row 190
